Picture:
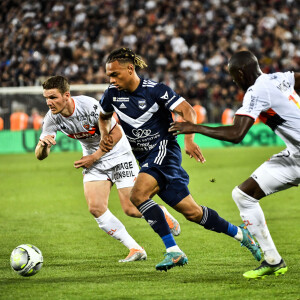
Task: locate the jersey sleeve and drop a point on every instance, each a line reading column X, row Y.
column 254, row 103
column 105, row 104
column 167, row 97
column 49, row 126
column 291, row 77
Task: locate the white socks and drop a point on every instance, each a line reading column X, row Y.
column 253, row 216
column 112, row 226
column 173, row 249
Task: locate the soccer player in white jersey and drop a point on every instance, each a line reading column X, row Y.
column 273, row 99
column 77, row 117
column 144, row 110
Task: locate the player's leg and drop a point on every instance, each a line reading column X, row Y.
column 277, row 174
column 131, row 211
column 253, row 217
column 177, row 195
column 97, row 194
column 145, row 187
column 124, row 185
column 127, row 206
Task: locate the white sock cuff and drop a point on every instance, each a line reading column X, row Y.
column 103, row 217
column 236, row 192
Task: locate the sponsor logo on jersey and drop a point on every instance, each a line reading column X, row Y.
column 141, row 132
column 283, row 86
column 122, row 105
column 123, row 170
column 165, row 96
column 142, row 104
column 85, row 125
column 120, row 99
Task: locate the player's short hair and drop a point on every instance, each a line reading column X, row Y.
column 242, row 60
column 57, row 82
column 126, row 55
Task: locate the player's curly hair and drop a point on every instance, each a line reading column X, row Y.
column 57, row 82
column 126, row 55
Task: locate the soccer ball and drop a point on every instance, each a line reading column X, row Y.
column 26, row 260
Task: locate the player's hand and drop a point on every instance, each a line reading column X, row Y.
column 85, row 162
column 47, row 141
column 182, row 127
column 106, row 143
column 193, row 150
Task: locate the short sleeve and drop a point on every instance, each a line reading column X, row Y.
column 167, row 97
column 291, row 77
column 105, row 104
column 49, row 126
column 253, row 104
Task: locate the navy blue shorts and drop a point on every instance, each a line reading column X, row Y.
column 164, row 164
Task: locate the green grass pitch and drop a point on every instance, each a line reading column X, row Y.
column 42, row 203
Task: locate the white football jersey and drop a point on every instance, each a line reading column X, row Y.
column 273, row 99
column 83, row 125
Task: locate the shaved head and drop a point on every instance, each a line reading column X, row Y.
column 243, row 60
column 244, row 69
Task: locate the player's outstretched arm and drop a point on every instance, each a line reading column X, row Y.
column 185, row 110
column 42, row 148
column 233, row 133
column 87, row 161
column 297, row 81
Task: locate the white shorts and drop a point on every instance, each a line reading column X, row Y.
column 280, row 172
column 121, row 170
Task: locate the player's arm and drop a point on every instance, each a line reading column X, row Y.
column 105, row 127
column 233, row 133
column 87, row 161
column 42, row 148
column 297, row 81
column 186, row 111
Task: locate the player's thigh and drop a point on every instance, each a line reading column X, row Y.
column 279, row 173
column 190, row 209
column 127, row 206
column 97, row 194
column 145, row 187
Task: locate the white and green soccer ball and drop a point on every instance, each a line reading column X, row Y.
column 26, row 260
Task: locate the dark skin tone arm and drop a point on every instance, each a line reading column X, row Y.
column 234, row 133
column 297, row 81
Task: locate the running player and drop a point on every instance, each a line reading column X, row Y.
column 77, row 117
column 144, row 110
column 272, row 97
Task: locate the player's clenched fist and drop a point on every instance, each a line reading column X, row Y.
column 106, row 143
column 48, row 141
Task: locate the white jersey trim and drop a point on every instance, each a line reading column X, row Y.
column 176, row 103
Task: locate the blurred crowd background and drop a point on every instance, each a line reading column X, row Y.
column 186, row 44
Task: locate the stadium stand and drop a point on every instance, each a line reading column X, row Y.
column 186, row 44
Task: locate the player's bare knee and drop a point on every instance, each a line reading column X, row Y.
column 97, row 211
column 132, row 212
column 194, row 215
column 137, row 198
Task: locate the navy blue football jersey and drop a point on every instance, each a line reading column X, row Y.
column 144, row 114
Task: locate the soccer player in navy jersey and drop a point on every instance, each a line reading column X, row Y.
column 144, row 110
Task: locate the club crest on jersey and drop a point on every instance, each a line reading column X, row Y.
column 85, row 125
column 142, row 104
